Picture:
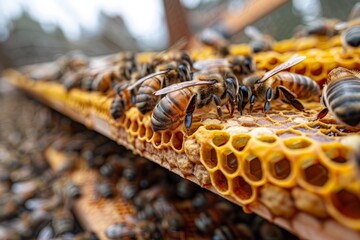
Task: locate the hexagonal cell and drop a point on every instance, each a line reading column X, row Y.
column 177, row 140
column 305, row 129
column 212, row 127
column 156, row 139
column 220, row 138
column 252, row 167
column 297, row 143
column 278, row 118
column 319, row 125
column 127, row 123
column 272, row 61
column 316, row 69
column 266, row 139
column 209, row 156
column 300, row 68
column 347, row 203
column 316, row 174
column 265, row 121
column 240, row 141
column 279, row 165
column 242, row 190
column 165, row 137
column 287, row 134
column 142, row 131
column 219, row 181
column 134, row 126
column 336, row 153
column 229, row 161
column 149, row 133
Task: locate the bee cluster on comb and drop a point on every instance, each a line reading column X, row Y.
column 274, row 130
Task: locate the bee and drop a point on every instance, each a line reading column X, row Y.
column 104, row 188
column 126, row 95
column 73, row 79
column 320, row 27
column 72, row 190
column 276, row 84
column 350, row 30
column 259, row 42
column 340, row 96
column 73, row 60
column 239, row 65
column 233, row 232
column 63, row 221
column 215, row 40
column 181, row 100
column 167, row 74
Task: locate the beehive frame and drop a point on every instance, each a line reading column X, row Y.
column 283, row 166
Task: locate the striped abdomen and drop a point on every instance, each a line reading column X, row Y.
column 343, row 100
column 170, row 109
column 303, row 86
column 120, row 104
column 145, row 98
column 351, row 37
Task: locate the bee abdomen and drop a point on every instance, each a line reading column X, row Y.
column 352, row 36
column 170, row 109
column 145, row 99
column 117, row 108
column 344, row 99
column 303, row 86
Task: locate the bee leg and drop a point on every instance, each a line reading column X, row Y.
column 246, row 94
column 268, row 96
column 322, row 114
column 133, row 96
column 240, row 102
column 218, row 105
column 252, row 101
column 184, row 72
column 290, row 98
column 189, row 111
column 231, row 101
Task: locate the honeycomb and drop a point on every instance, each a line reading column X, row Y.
column 283, row 46
column 283, row 165
column 317, row 65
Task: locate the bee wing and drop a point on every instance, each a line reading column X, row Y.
column 181, row 85
column 341, row 26
column 355, row 12
column 253, row 33
column 141, row 80
column 209, row 63
column 289, row 63
column 178, row 45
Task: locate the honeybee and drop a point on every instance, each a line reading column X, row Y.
column 214, row 39
column 181, row 100
column 239, row 65
column 72, row 60
column 276, row 84
column 320, row 27
column 103, row 188
column 340, row 96
column 63, row 221
column 167, row 74
column 110, row 76
column 259, row 42
column 125, row 95
column 350, row 30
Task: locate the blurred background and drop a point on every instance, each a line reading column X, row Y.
column 33, row 31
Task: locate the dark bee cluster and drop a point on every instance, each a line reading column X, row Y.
column 35, row 203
